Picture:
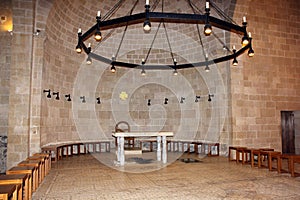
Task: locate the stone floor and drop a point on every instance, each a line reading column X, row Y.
column 84, row 177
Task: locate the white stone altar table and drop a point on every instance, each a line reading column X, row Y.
column 161, row 140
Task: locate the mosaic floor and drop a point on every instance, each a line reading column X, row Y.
column 190, row 177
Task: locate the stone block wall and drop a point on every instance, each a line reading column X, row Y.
column 270, row 81
column 67, row 72
column 5, row 62
column 245, row 109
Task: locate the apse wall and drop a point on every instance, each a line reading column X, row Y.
column 269, row 82
column 67, row 72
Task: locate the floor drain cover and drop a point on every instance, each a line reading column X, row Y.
column 189, row 160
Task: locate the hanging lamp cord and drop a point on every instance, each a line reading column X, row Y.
column 124, row 32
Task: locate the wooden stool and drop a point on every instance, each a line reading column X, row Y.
column 47, row 158
column 41, row 159
column 257, row 153
column 9, row 192
column 231, row 148
column 292, row 159
column 270, row 155
column 37, row 165
column 240, row 150
column 22, row 179
column 55, row 150
column 30, row 171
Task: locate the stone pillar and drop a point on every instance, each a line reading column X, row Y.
column 20, row 82
column 5, row 62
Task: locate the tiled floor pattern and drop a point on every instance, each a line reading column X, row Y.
column 85, row 178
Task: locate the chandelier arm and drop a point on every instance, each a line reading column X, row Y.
column 152, row 42
column 224, row 45
column 194, row 6
column 100, row 58
column 125, row 30
column 113, row 9
column 198, row 31
column 171, row 52
column 155, row 5
column 222, row 13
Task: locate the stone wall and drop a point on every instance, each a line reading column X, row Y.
column 20, row 82
column 5, row 62
column 245, row 109
column 67, row 72
column 269, row 82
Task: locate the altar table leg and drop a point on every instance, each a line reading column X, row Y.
column 158, row 148
column 122, row 153
column 164, row 149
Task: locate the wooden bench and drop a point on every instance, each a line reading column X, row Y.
column 270, row 156
column 9, row 192
column 34, row 163
column 292, row 159
column 60, row 150
column 30, row 171
column 207, row 148
column 47, row 158
column 22, row 179
column 19, row 179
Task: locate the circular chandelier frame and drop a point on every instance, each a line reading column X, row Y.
column 163, row 17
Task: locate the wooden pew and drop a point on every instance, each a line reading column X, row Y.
column 22, row 179
column 9, row 192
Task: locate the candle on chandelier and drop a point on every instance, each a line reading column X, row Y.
column 207, row 4
column 98, row 13
column 147, row 2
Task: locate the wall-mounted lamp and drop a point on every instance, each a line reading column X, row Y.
column 113, row 68
column 182, row 99
column 10, row 32
column 209, row 96
column 166, row 101
column 175, row 73
column 149, row 102
column 49, row 93
column 234, row 62
column 207, row 69
column 68, row 97
column 56, row 94
column 197, row 99
column 143, row 72
column 83, row 99
column 89, row 59
column 98, row 100
column 37, row 32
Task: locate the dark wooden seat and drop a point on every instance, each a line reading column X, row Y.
column 123, row 126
